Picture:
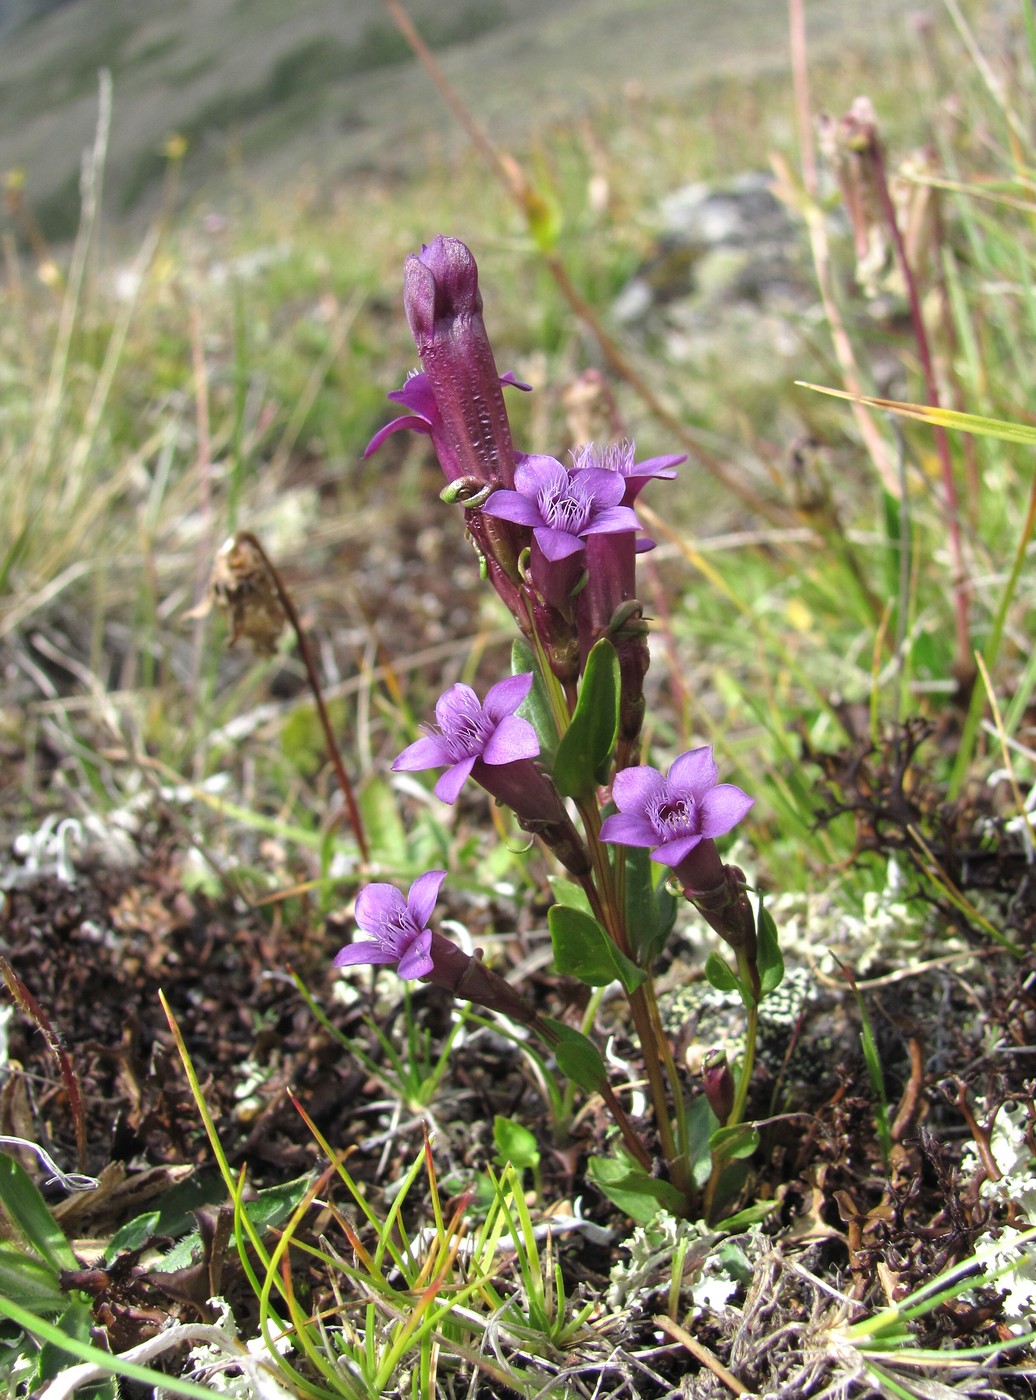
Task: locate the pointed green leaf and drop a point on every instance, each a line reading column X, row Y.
column 1000, row 428
column 515, row 1143
column 586, row 748
column 640, row 1196
column 769, row 958
column 578, row 1058
column 731, row 1144
column 29, row 1282
column 582, row 949
column 27, row 1211
column 536, row 707
column 720, row 974
column 650, row 908
column 751, row 1215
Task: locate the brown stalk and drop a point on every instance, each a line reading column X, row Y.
column 56, row 1045
column 284, row 598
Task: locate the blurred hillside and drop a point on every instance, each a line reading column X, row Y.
column 266, row 89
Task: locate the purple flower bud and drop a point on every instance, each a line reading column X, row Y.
column 718, row 1083
column 444, row 308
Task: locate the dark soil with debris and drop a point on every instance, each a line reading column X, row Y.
column 96, row 951
column 93, row 1074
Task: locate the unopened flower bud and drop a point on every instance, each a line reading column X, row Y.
column 718, row 1083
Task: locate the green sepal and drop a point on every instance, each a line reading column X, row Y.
column 585, row 750
column 635, row 1193
column 768, row 958
column 536, row 706
column 650, row 908
column 578, row 1057
column 582, row 949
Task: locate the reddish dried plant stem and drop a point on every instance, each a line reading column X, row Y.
column 56, row 1045
column 965, row 661
column 284, row 597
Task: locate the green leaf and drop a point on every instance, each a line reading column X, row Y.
column 582, row 949
column 536, row 706
column 585, row 750
column 701, row 1124
column 635, row 1193
column 751, row 1215
column 133, row 1234
column 27, row 1211
column 268, row 1210
column 578, row 1058
column 29, row 1282
column 515, row 1144
column 650, row 909
column 76, row 1322
column 385, row 830
column 721, row 975
column 769, row 958
column 734, row 1143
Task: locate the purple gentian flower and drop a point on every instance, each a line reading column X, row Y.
column 619, row 458
column 676, row 811
column 472, row 733
column 398, row 928
column 563, row 506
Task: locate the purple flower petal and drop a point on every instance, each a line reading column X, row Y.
column 634, row 788
column 510, row 505
column 673, row 852
column 397, row 425
column 366, row 953
column 431, row 751
column 694, row 771
column 423, row 894
column 380, row 910
column 612, row 520
column 513, row 739
column 557, row 545
column 449, row 785
column 722, row 808
column 417, row 960
column 504, row 698
column 628, row 829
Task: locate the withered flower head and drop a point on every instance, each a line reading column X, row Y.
column 243, row 589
